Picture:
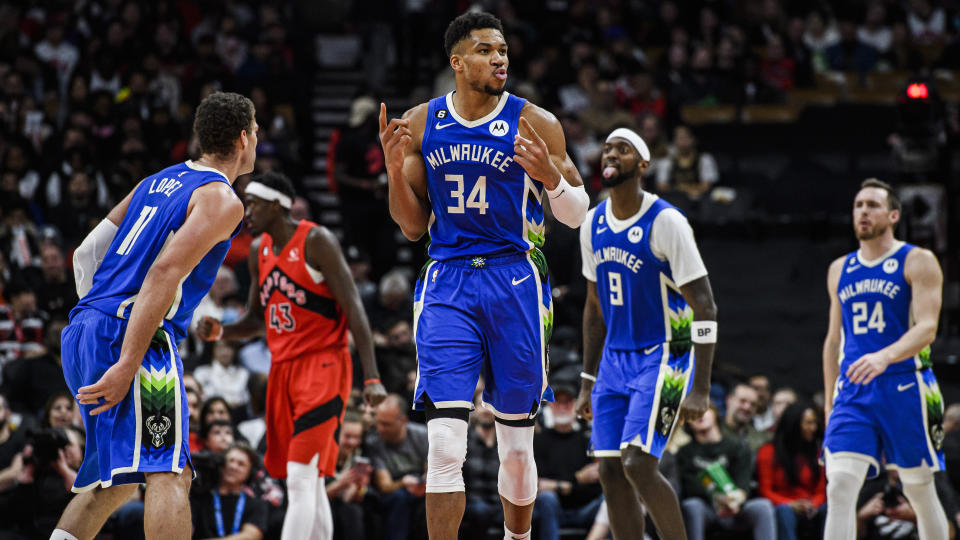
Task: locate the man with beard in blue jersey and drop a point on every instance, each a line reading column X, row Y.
column 140, row 274
column 881, row 396
column 649, row 332
column 471, row 169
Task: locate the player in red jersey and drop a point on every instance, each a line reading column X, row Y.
column 303, row 296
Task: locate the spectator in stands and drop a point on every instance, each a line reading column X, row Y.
column 883, row 513
column 44, row 487
column 777, row 69
column 19, row 237
column 214, row 408
column 398, row 453
column 359, row 262
column 21, row 335
column 790, row 476
column 394, row 302
column 928, row 24
column 640, row 96
column 348, row 488
column 741, row 409
column 797, row 50
column 60, row 411
column 217, row 436
column 874, row 30
column 483, row 509
column 602, row 114
column 361, row 185
column 12, row 442
column 781, row 399
column 215, row 512
column 851, row 54
column 254, row 428
column 569, row 480
column 57, row 294
column 728, row 509
column 397, row 356
column 688, row 172
column 193, row 404
column 79, row 212
column 223, row 376
column 819, row 36
column 763, row 418
column 28, row 382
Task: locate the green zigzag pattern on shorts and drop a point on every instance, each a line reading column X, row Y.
column 674, row 382
column 158, row 391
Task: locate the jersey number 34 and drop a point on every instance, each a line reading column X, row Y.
column 477, row 198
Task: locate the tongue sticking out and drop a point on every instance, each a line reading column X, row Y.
column 608, row 172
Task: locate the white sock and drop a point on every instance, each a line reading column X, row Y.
column 510, row 535
column 323, row 524
column 931, row 519
column 845, row 477
column 302, row 504
column 60, row 534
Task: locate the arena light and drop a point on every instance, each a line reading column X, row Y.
column 918, row 91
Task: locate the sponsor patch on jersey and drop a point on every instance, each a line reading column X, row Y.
column 499, row 128
column 441, row 113
column 890, row 265
column 635, row 234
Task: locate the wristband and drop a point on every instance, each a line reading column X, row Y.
column 371, row 381
column 703, row 331
column 587, row 376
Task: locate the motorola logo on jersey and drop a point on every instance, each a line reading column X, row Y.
column 890, row 266
column 635, row 234
column 441, row 113
column 499, row 128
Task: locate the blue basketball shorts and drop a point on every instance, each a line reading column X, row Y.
column 148, row 431
column 637, row 397
column 489, row 316
column 897, row 417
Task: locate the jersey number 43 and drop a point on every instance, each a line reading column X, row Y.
column 281, row 319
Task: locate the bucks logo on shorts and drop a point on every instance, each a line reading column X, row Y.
column 671, row 394
column 933, row 400
column 158, row 390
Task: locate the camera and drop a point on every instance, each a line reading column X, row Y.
column 47, row 443
column 891, row 496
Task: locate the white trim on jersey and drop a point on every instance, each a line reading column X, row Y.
column 870, row 264
column 604, row 453
column 198, row 167
column 479, row 122
column 177, row 406
column 417, row 310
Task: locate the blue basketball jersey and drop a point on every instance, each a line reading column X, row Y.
column 483, row 203
column 875, row 302
column 157, row 210
column 641, row 304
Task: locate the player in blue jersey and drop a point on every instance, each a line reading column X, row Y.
column 882, row 400
column 471, row 169
column 649, row 332
column 140, row 274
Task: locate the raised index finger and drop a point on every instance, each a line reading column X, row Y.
column 383, row 116
column 532, row 132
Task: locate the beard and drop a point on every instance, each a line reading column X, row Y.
column 489, row 89
column 871, row 233
column 617, row 179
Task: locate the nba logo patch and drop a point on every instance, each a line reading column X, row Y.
column 435, row 272
column 499, row 128
column 890, row 266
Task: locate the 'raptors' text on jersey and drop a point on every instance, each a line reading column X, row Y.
column 300, row 313
column 875, row 303
column 157, row 210
column 483, row 203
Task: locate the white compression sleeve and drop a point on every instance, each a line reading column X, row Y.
column 921, row 492
column 446, row 453
column 845, row 476
column 302, row 504
column 323, row 522
column 90, row 253
column 60, row 534
column 569, row 204
column 517, row 481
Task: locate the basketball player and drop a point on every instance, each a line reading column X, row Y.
column 881, row 395
column 471, row 168
column 649, row 322
column 140, row 274
column 303, row 295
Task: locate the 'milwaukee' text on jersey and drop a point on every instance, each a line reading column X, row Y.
column 864, row 286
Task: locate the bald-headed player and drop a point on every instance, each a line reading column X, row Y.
column 303, row 296
column 649, row 332
column 471, row 169
column 881, row 396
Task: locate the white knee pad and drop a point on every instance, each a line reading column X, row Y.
column 845, row 476
column 919, row 488
column 302, row 500
column 517, row 481
column 446, row 454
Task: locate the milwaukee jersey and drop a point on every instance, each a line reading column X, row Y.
column 483, row 203
column 300, row 313
column 641, row 304
column 875, row 303
column 157, row 209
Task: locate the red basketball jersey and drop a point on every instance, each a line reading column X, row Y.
column 299, row 310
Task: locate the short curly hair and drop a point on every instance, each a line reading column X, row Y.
column 220, row 119
column 460, row 28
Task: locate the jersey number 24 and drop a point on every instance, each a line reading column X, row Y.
column 874, row 319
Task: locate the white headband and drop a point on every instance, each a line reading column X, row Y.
column 634, row 139
column 268, row 194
